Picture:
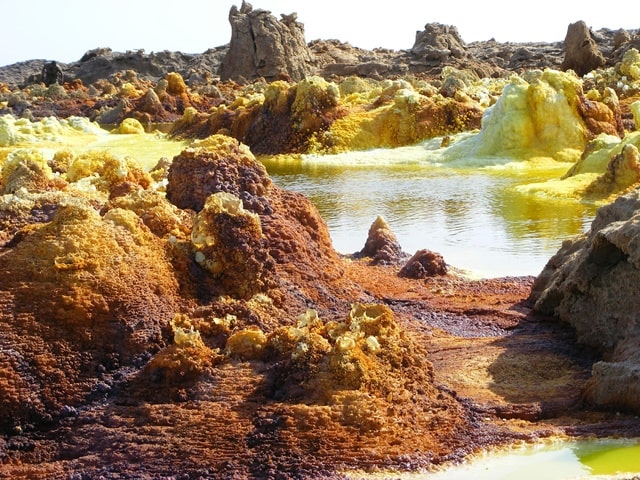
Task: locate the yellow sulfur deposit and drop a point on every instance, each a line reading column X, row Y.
column 630, row 65
column 635, row 110
column 623, row 171
column 106, row 171
column 129, row 126
column 222, row 203
column 185, row 359
column 248, row 344
column 390, row 125
column 175, row 84
column 350, row 365
column 277, row 97
column 392, row 114
column 61, row 140
column 607, row 167
column 614, row 163
column 25, row 168
column 50, row 130
column 532, row 118
column 314, row 96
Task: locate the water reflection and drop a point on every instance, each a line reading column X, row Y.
column 473, row 216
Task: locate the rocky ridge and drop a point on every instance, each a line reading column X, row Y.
column 264, row 47
column 592, row 284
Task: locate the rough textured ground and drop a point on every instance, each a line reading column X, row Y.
column 504, row 375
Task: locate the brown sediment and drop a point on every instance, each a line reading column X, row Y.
column 500, row 374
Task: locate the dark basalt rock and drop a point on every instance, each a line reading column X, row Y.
column 262, row 46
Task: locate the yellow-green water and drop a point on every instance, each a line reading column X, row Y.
column 555, row 461
column 474, row 211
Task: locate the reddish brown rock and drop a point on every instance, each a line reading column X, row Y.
column 602, row 116
column 424, row 263
column 382, row 245
column 219, row 164
column 84, row 294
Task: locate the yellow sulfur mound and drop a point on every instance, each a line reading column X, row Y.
column 313, row 97
column 107, row 171
column 630, row 65
column 354, row 354
column 23, row 132
column 538, row 116
column 129, row 126
column 396, row 115
column 25, row 169
column 623, row 171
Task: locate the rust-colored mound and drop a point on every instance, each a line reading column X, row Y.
column 266, row 240
column 217, row 164
column 82, row 295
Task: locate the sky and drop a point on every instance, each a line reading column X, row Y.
column 64, row 30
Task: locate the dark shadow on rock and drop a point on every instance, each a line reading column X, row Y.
column 541, row 372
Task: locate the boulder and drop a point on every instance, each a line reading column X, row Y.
column 424, row 263
column 592, row 284
column 438, row 43
column 582, row 54
column 263, row 46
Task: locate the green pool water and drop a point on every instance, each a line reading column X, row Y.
column 472, row 211
column 559, row 460
column 555, row 461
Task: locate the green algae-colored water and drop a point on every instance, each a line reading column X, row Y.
column 471, row 211
column 557, row 461
column 570, row 460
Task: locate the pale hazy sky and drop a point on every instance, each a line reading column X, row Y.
column 64, row 30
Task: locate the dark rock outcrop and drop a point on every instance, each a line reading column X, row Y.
column 592, row 284
column 582, row 53
column 262, row 46
column 280, row 50
column 382, row 245
column 437, row 43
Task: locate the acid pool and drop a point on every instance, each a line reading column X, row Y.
column 553, row 461
column 474, row 211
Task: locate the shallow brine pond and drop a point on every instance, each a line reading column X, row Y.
column 555, row 461
column 475, row 212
